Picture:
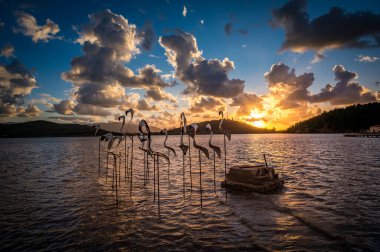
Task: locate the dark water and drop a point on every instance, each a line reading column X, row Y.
column 52, row 198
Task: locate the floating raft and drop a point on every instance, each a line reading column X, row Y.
column 257, row 178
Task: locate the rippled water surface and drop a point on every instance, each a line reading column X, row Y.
column 52, row 198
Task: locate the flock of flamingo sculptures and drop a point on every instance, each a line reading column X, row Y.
column 110, row 141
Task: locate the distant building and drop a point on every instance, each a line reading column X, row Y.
column 374, row 129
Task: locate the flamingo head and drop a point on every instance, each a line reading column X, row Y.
column 221, row 114
column 97, row 128
column 194, row 131
column 129, row 111
column 208, row 126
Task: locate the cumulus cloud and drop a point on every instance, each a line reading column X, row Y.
column 7, row 50
column 157, row 94
column 206, row 104
column 366, row 58
column 30, row 111
column 145, row 105
column 247, row 102
column 100, row 76
column 27, row 25
column 64, row 107
column 16, row 82
column 346, row 90
column 327, row 31
column 201, row 76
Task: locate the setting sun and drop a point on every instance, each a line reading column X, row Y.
column 259, row 124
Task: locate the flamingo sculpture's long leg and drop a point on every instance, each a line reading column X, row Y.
column 200, row 176
column 225, row 158
column 154, row 177
column 183, row 172
column 145, row 168
column 99, row 160
column 131, row 173
column 191, row 174
column 169, row 168
column 214, row 174
column 158, row 184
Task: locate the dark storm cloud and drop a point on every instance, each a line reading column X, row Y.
column 201, row 76
column 16, row 82
column 335, row 29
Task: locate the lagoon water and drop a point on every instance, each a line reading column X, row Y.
column 52, row 198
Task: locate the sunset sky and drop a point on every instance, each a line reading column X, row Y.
column 268, row 63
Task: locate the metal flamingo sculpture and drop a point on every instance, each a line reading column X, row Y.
column 129, row 111
column 228, row 134
column 200, row 148
column 184, row 148
column 183, row 122
column 143, row 137
column 215, row 148
column 170, row 149
column 110, row 139
column 97, row 127
column 156, row 154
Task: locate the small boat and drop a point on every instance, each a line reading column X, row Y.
column 257, row 178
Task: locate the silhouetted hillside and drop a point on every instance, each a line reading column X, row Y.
column 234, row 126
column 44, row 129
column 350, row 119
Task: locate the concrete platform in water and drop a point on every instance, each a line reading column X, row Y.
column 257, row 178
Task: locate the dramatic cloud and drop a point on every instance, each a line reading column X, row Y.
column 27, row 25
column 335, row 29
column 100, row 76
column 64, row 107
column 201, row 76
column 30, row 111
column 247, row 102
column 346, row 91
column 7, row 50
column 16, row 82
column 206, row 104
column 158, row 95
column 363, row 58
column 145, row 105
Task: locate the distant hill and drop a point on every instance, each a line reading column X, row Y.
column 42, row 128
column 354, row 118
column 235, row 127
